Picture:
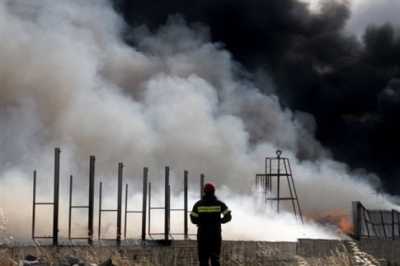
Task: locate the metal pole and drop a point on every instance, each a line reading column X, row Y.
column 288, row 175
column 201, row 185
column 295, row 193
column 185, row 204
column 393, row 231
column 34, row 205
column 166, row 211
column 100, row 210
column 126, row 209
column 149, row 210
column 70, row 206
column 398, row 223
column 267, row 175
column 119, row 208
column 270, row 176
column 56, row 194
column 144, row 202
column 357, row 219
column 91, row 199
column 278, row 153
column 383, row 225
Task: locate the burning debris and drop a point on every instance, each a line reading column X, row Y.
column 338, row 219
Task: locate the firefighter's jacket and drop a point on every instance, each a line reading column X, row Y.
column 208, row 214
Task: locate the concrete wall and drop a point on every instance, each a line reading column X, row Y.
column 319, row 247
column 382, row 249
column 179, row 253
column 233, row 252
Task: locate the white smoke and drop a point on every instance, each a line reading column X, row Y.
column 67, row 78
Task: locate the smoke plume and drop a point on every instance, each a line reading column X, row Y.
column 73, row 74
column 343, row 53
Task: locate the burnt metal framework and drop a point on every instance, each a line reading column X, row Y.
column 142, row 212
column 185, row 209
column 277, row 169
column 145, row 212
column 167, row 208
column 54, row 203
column 89, row 207
column 118, row 210
column 376, row 224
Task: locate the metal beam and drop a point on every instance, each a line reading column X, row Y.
column 185, row 204
column 57, row 152
column 91, row 199
column 100, row 206
column 357, row 219
column 70, row 206
column 126, row 210
column 167, row 207
column 34, row 205
column 144, row 202
column 119, row 207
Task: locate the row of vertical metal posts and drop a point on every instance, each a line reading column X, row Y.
column 146, row 192
column 167, row 208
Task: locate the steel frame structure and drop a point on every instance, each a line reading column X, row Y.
column 145, row 212
column 276, row 170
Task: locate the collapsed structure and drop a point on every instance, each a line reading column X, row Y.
column 375, row 224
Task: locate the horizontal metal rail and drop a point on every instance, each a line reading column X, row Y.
column 281, row 198
column 44, row 203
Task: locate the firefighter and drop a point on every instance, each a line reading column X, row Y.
column 208, row 214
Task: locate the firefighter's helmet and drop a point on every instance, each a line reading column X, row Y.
column 209, row 188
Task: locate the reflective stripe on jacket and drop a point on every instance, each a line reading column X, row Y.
column 209, row 213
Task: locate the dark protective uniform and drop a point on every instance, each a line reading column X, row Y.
column 208, row 214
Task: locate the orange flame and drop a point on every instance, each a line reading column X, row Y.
column 337, row 217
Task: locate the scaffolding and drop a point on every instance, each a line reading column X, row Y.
column 271, row 184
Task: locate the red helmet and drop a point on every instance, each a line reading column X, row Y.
column 209, row 188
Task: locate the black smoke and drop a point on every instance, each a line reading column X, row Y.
column 349, row 85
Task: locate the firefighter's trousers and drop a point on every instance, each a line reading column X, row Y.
column 209, row 249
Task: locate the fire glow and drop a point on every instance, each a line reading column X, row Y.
column 337, row 217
